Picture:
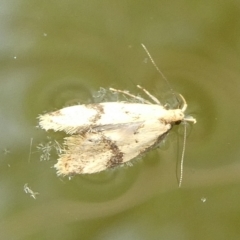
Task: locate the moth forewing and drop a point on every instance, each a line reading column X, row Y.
column 110, row 147
column 78, row 118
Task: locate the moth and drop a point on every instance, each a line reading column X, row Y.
column 108, row 134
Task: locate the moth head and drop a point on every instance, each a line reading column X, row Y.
column 177, row 115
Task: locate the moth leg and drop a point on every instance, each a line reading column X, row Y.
column 149, row 95
column 131, row 95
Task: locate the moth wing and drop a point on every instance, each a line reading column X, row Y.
column 133, row 140
column 81, row 118
column 68, row 119
column 109, row 146
column 86, row 154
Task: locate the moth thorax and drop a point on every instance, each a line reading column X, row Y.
column 174, row 115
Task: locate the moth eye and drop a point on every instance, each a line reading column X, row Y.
column 178, row 122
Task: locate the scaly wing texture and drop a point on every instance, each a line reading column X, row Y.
column 80, row 118
column 108, row 146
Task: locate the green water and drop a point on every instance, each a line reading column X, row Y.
column 56, row 53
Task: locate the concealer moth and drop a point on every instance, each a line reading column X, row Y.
column 108, row 134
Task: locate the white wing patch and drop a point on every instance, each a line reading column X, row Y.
column 82, row 117
column 109, row 134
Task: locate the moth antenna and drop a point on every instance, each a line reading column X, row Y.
column 159, row 71
column 182, row 156
column 184, row 103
